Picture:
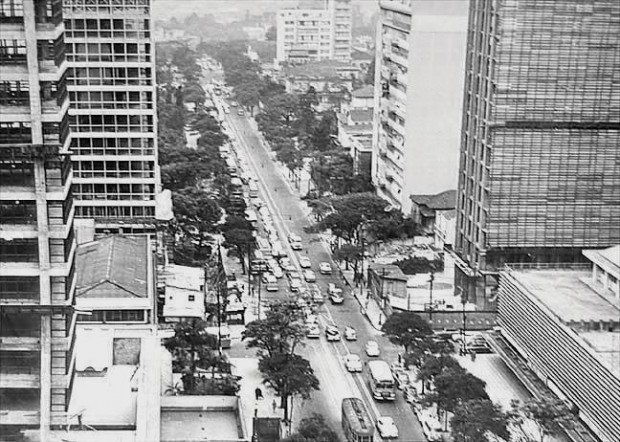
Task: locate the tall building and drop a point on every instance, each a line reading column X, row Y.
column 419, row 77
column 312, row 34
column 37, row 245
column 539, row 176
column 111, row 83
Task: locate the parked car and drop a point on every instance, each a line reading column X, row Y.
column 432, row 431
column 304, row 262
column 336, row 298
column 325, row 268
column 402, row 379
column 294, row 284
column 410, row 394
column 332, row 333
column 478, row 344
column 309, row 276
column 372, row 349
column 234, row 104
column 286, row 265
column 387, row 428
column 240, row 112
column 353, row 363
column 350, row 334
column 314, row 331
column 277, row 272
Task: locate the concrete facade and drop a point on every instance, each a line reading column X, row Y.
column 37, row 243
column 113, row 114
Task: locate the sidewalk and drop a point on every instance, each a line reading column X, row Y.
column 369, row 306
column 247, row 368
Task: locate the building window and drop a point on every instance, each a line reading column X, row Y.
column 191, row 298
column 22, row 287
column 11, row 11
column 24, row 250
column 14, row 93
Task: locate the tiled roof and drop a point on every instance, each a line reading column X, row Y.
column 442, row 201
column 365, row 92
column 113, row 267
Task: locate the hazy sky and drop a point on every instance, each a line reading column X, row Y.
column 164, row 9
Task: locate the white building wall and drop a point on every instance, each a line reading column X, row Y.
column 421, row 46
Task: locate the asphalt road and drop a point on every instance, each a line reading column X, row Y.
column 325, row 357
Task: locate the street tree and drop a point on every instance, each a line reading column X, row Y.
column 406, row 329
column 291, row 158
column 281, row 331
column 313, row 429
column 193, row 205
column 289, row 375
column 454, row 386
column 479, row 420
column 242, row 241
column 348, row 253
column 191, row 349
column 236, row 222
column 550, row 415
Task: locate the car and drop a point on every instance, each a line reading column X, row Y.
column 336, row 298
column 402, row 379
column 240, row 112
column 353, row 363
column 350, row 334
column 332, row 288
column 304, row 262
column 387, row 428
column 325, row 268
column 286, row 265
column 315, row 294
column 372, row 349
column 309, row 276
column 478, row 344
column 410, row 394
column 332, row 333
column 226, row 110
column 294, row 284
column 277, row 272
column 314, row 331
column 432, row 431
column 293, row 274
column 234, row 104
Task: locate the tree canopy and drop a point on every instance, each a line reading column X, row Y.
column 455, row 385
column 550, row 415
column 406, row 329
column 313, row 429
column 479, row 420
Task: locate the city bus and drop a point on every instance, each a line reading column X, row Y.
column 356, row 422
column 253, row 189
column 381, row 380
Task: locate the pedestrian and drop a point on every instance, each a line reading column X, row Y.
column 274, row 405
column 259, row 394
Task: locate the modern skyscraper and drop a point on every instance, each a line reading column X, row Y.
column 313, row 34
column 539, row 176
column 419, row 76
column 37, row 245
column 111, row 82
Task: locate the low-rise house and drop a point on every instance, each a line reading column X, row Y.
column 184, row 293
column 424, row 208
column 386, row 281
column 115, row 280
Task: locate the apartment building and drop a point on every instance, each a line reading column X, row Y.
column 113, row 116
column 312, row 34
column 419, row 78
column 539, row 176
column 37, row 245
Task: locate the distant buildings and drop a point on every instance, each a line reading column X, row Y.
column 565, row 323
column 538, row 178
column 426, row 208
column 331, row 80
column 113, row 116
column 419, row 76
column 308, row 34
column 355, row 128
column 37, row 242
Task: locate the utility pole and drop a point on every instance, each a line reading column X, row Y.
column 218, row 291
column 464, row 327
column 260, row 275
column 430, row 294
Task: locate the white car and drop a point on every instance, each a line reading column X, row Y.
column 305, row 262
column 387, row 427
column 277, row 272
column 325, row 268
column 314, row 331
column 286, row 265
column 350, row 334
column 294, row 284
column 309, row 276
column 372, row 349
column 353, row 363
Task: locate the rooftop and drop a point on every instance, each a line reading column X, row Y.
column 608, row 259
column 442, row 201
column 184, row 277
column 361, row 55
column 113, row 267
column 364, row 92
column 319, row 69
column 568, row 296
